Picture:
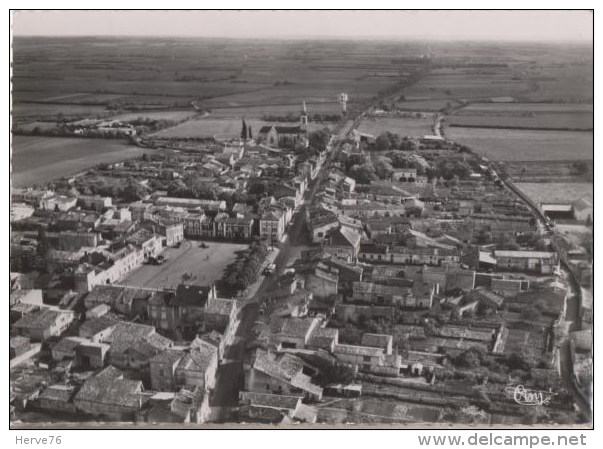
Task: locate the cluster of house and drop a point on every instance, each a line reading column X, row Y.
column 110, row 353
column 396, row 286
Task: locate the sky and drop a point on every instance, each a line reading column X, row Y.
column 438, row 25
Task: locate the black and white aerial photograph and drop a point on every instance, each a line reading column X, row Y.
column 301, row 219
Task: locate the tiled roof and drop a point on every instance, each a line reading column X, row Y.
column 220, row 306
column 376, row 340
column 198, row 358
column 271, row 400
column 109, row 388
column 357, row 350
column 297, row 327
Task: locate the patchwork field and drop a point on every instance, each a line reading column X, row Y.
column 38, row 159
column 557, row 191
column 404, row 126
column 525, row 145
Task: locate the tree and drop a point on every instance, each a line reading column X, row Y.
column 338, row 373
column 471, row 358
column 319, row 139
column 363, row 174
column 244, row 131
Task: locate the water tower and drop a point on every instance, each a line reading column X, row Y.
column 342, row 99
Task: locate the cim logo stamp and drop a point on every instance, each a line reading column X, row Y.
column 526, row 396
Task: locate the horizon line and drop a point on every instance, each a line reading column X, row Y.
column 316, row 37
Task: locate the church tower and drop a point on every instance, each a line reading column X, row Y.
column 303, row 118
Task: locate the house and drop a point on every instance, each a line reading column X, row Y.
column 321, row 225
column 19, row 346
column 323, row 338
column 109, row 394
column 172, row 233
column 272, row 226
column 343, row 243
column 65, row 348
column 423, row 256
column 382, row 341
column 373, row 293
column 132, row 345
column 542, row 262
column 294, row 333
column 370, row 359
column 323, row 282
column 148, row 241
column 404, row 175
column 94, row 202
column 274, row 408
column 44, row 324
column 57, row 398
column 347, row 274
column 280, row 374
column 192, row 406
column 449, row 278
column 91, row 354
column 98, row 329
column 174, row 369
column 182, row 309
column 26, row 296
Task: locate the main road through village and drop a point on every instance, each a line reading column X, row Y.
column 230, row 378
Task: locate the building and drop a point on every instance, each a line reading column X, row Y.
column 111, row 395
column 343, row 243
column 294, row 333
column 542, row 262
column 322, row 282
column 44, row 324
column 280, row 374
column 234, row 228
column 276, row 135
column 272, row 226
column 174, row 369
column 94, row 202
column 369, row 359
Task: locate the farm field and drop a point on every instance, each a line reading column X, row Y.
column 204, row 266
column 37, row 159
column 423, row 105
column 276, row 110
column 521, row 108
column 25, row 112
column 207, row 127
column 551, row 192
column 466, row 86
column 404, row 126
column 148, row 73
column 576, row 121
column 176, row 116
column 525, row 145
column 550, row 171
